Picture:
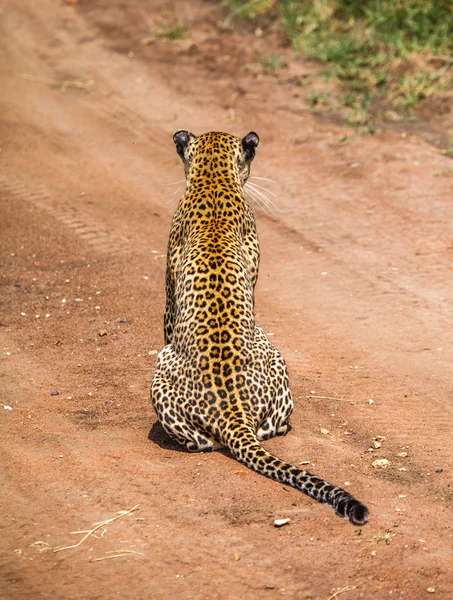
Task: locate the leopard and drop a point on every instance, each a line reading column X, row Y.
column 219, row 382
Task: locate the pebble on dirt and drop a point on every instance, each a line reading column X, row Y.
column 281, row 522
column 380, row 462
column 54, row 393
column 124, row 320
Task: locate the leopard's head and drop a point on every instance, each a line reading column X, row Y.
column 216, row 155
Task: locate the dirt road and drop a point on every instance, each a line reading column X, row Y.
column 355, row 288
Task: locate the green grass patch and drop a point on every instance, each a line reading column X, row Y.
column 273, row 62
column 449, row 150
column 381, row 52
column 172, row 32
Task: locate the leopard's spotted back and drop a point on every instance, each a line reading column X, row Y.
column 218, row 380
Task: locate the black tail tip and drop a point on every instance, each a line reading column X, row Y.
column 358, row 513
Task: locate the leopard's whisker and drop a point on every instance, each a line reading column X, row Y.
column 254, row 194
column 173, row 197
column 263, row 188
column 261, row 201
column 264, row 198
column 263, row 178
column 175, row 182
column 256, row 200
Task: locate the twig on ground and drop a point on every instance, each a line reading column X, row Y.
column 103, row 532
column 67, row 83
column 332, row 398
column 40, row 546
column 348, row 588
column 117, row 554
column 97, row 526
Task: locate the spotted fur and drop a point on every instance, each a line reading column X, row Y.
column 219, row 381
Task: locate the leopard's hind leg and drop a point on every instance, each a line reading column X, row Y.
column 175, row 422
column 279, row 402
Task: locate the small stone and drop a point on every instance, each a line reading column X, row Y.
column 370, row 401
column 237, row 556
column 16, row 284
column 431, row 590
column 281, row 522
column 54, row 393
column 152, row 352
column 22, row 314
column 380, row 438
column 439, row 471
column 124, row 320
column 324, row 431
column 63, row 300
column 102, row 332
column 7, row 407
column 380, row 463
column 304, row 462
column 47, row 315
column 402, row 454
column 376, row 444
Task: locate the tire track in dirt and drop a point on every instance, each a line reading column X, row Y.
column 83, row 225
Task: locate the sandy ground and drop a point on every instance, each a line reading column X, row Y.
column 355, row 288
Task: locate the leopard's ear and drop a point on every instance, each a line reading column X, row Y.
column 181, row 139
column 249, row 143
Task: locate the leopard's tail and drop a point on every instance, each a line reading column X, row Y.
column 248, row 450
